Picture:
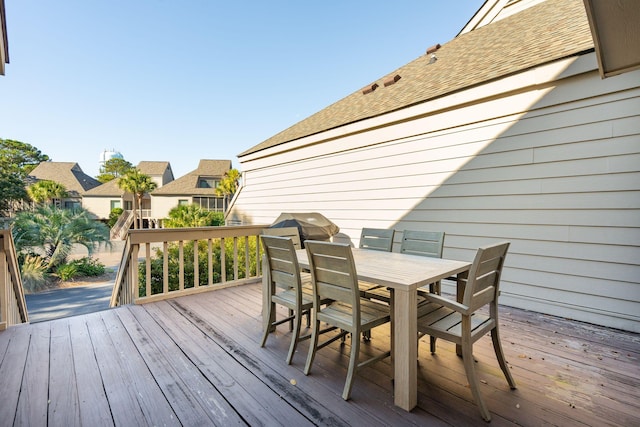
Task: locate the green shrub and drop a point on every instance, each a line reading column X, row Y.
column 113, row 216
column 88, row 266
column 34, row 273
column 203, row 265
column 67, row 272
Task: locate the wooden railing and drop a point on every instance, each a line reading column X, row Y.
column 119, row 229
column 13, row 308
column 161, row 263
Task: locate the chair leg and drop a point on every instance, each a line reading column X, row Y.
column 353, row 366
column 291, row 321
column 432, row 344
column 497, row 347
column 295, row 335
column 267, row 325
column 313, row 345
column 467, row 359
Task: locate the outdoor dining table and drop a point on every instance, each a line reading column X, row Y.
column 403, row 274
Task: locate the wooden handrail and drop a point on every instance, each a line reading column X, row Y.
column 170, row 270
column 13, row 308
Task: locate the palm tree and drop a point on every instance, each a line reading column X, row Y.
column 192, row 216
column 136, row 183
column 228, row 185
column 46, row 191
column 56, row 230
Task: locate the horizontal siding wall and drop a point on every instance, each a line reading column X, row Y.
column 556, row 171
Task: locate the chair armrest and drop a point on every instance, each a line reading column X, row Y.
column 446, row 302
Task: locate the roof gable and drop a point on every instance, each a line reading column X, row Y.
column 68, row 174
column 543, row 33
column 188, row 184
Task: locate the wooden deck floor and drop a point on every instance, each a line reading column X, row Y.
column 196, row 361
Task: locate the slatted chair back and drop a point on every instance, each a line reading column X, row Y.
column 483, row 285
column 291, row 232
column 423, row 243
column 284, row 270
column 334, row 276
column 378, row 239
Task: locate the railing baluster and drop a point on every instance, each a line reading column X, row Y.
column 196, row 266
column 181, row 264
column 147, row 247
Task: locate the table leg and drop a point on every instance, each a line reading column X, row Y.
column 405, row 341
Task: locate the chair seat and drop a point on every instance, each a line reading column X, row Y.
column 437, row 320
column 288, row 298
column 372, row 314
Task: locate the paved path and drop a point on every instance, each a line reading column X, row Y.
column 72, row 301
column 64, row 302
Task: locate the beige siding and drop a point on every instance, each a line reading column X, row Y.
column 99, row 206
column 554, row 169
column 162, row 205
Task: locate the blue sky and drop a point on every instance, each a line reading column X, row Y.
column 183, row 80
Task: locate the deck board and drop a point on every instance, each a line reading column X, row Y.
column 196, row 360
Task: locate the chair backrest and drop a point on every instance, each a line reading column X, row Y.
column 379, row 239
column 483, row 285
column 333, row 272
column 284, row 271
column 424, row 243
column 291, row 232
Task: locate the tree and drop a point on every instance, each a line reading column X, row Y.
column 136, row 183
column 113, row 168
column 46, row 191
column 56, row 230
column 17, row 160
column 228, row 185
column 192, row 216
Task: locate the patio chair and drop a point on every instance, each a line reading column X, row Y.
column 377, row 239
column 294, row 234
column 429, row 244
column 335, row 278
column 462, row 324
column 285, row 288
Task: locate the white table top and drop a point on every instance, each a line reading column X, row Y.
column 396, row 270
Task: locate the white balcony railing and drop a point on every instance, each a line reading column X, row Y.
column 161, row 263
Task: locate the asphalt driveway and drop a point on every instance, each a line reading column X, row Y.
column 64, row 302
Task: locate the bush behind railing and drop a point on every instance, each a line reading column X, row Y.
column 173, row 251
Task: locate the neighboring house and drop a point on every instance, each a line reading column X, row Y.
column 4, row 43
column 507, row 133
column 69, row 174
column 108, row 196
column 198, row 186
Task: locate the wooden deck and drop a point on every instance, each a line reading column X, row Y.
column 196, row 361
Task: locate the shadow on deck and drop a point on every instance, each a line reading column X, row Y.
column 196, row 361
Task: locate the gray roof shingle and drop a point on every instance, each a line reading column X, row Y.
column 543, row 33
column 68, row 174
column 188, row 184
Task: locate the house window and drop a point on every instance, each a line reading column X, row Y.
column 183, row 202
column 128, row 205
column 71, row 204
column 209, row 203
column 115, row 204
column 204, row 182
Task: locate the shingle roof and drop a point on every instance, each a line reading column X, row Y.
column 188, row 184
column 541, row 34
column 68, row 174
column 111, row 189
column 153, row 168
